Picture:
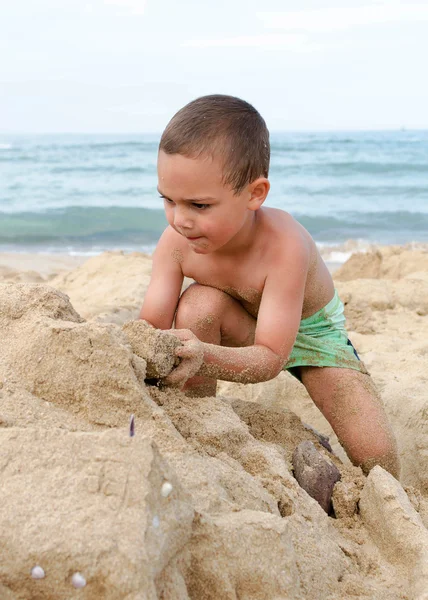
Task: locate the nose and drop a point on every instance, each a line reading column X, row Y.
column 182, row 219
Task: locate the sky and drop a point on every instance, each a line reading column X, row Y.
column 126, row 66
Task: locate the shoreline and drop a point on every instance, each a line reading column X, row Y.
column 46, row 265
column 49, row 264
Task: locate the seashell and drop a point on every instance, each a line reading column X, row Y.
column 156, row 522
column 78, row 581
column 166, row 489
column 37, row 572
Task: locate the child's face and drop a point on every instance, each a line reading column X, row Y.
column 197, row 203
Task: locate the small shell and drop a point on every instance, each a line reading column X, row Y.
column 156, row 522
column 132, row 426
column 37, row 572
column 166, row 489
column 78, row 581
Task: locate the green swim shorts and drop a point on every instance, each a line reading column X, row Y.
column 322, row 341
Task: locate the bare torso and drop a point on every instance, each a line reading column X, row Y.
column 243, row 274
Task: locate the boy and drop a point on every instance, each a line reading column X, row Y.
column 263, row 299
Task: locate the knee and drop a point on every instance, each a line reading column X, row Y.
column 199, row 304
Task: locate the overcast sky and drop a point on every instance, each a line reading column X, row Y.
column 129, row 65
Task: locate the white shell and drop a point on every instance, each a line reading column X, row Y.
column 37, row 572
column 156, row 521
column 166, row 489
column 78, row 580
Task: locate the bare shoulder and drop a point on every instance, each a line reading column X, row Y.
column 288, row 240
column 171, row 239
column 171, row 247
column 294, row 252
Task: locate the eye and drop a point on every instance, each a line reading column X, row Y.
column 200, row 206
column 167, row 200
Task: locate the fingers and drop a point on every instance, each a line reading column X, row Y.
column 178, row 377
column 187, row 351
column 187, row 368
column 182, row 334
column 191, row 354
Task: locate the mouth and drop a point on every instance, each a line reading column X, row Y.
column 192, row 239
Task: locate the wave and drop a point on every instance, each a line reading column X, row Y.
column 133, row 144
column 86, row 144
column 347, row 168
column 383, row 227
column 104, row 169
column 82, row 225
column 127, row 227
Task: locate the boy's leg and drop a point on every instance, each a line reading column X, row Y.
column 349, row 401
column 216, row 318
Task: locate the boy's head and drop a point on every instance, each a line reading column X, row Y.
column 225, row 128
column 212, row 168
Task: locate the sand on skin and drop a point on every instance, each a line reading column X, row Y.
column 69, row 380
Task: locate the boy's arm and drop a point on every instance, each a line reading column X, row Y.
column 161, row 298
column 277, row 324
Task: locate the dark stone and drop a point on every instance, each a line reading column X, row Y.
column 315, row 474
column 324, row 440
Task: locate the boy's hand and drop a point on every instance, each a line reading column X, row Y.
column 191, row 355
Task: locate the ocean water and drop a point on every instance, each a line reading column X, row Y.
column 81, row 194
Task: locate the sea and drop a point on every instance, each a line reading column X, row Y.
column 83, row 194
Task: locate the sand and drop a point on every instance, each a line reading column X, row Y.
column 201, row 503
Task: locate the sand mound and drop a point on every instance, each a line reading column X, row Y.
column 12, row 275
column 109, row 286
column 201, row 503
column 60, row 359
column 389, row 262
column 88, row 503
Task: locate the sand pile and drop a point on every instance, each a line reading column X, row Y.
column 201, row 503
column 128, row 277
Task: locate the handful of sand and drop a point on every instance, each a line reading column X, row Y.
column 155, row 346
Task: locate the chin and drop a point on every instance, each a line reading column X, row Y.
column 199, row 250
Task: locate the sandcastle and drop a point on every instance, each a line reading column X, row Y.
column 201, row 501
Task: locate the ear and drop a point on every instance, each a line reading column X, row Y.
column 258, row 189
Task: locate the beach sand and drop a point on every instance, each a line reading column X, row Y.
column 201, row 502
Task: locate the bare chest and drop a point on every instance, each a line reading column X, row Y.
column 242, row 281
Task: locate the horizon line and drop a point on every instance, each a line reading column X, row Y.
column 402, row 129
